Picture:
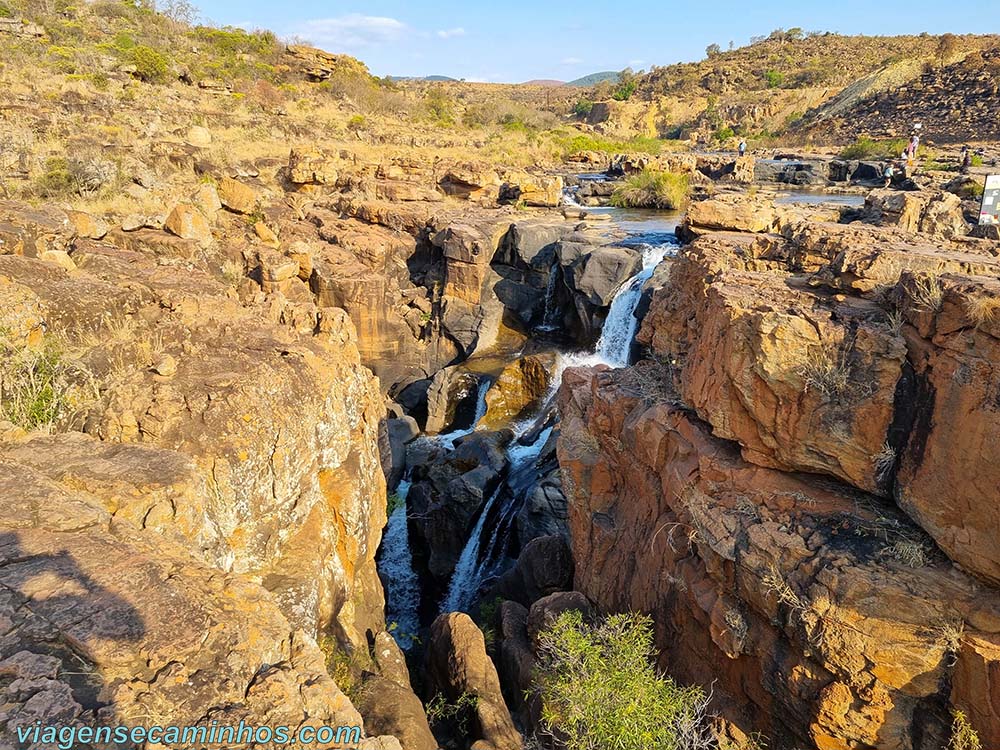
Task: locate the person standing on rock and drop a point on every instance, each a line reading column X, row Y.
column 911, row 149
column 743, row 148
column 966, row 159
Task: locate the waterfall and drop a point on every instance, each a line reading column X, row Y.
column 464, row 581
column 550, row 320
column 615, row 344
column 448, row 439
column 402, row 587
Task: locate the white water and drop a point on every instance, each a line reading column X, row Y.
column 402, row 587
column 550, row 320
column 464, row 582
column 448, row 439
column 615, row 344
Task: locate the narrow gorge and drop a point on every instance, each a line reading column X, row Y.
column 330, row 400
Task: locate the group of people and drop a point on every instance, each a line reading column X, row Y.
column 909, row 157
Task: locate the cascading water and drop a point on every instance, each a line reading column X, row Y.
column 615, row 343
column 464, row 582
column 484, row 554
column 402, row 587
column 550, row 320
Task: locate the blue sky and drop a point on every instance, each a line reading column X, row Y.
column 518, row 40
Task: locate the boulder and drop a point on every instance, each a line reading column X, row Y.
column 457, row 664
column 518, row 390
column 545, row 611
column 939, row 213
column 532, row 190
column 199, row 136
column 237, row 196
column 597, row 275
column 545, row 566
column 88, row 226
column 308, row 166
column 205, row 197
column 388, row 703
column 188, row 223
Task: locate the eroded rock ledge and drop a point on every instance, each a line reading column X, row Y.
column 798, row 483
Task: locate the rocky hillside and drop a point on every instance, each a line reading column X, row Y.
column 767, row 87
column 958, row 102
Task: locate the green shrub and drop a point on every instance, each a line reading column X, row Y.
column 5, row 11
column 37, row 387
column 774, row 79
column 963, row 736
column 724, row 134
column 439, row 106
column 356, row 123
column 599, row 688
column 624, row 91
column 652, row 189
column 866, row 148
column 977, row 161
column 56, row 179
column 393, row 502
column 582, row 107
column 150, row 65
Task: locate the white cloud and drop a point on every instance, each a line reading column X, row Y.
column 449, row 33
column 352, row 31
column 572, row 61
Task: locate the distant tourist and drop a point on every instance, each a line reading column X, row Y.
column 743, row 148
column 911, row 149
column 888, row 174
column 966, row 159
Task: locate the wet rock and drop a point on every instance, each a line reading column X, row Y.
column 457, row 664
column 598, row 274
column 518, row 390
column 388, row 703
column 452, row 399
column 449, row 491
column 545, row 566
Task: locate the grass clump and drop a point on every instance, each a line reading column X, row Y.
column 652, row 189
column 38, row 387
column 867, row 148
column 600, row 689
column 641, row 145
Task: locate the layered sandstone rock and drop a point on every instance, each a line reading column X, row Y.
column 457, row 665
column 112, row 624
column 279, row 427
column 821, row 612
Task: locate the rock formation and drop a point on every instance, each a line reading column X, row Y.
column 787, row 485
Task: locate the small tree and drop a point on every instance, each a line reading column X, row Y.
column 946, row 48
column 599, row 689
column 714, row 49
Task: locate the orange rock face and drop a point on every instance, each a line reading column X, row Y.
column 792, row 596
column 800, row 484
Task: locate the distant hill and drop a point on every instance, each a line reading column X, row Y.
column 441, row 79
column 595, row 78
column 543, row 82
